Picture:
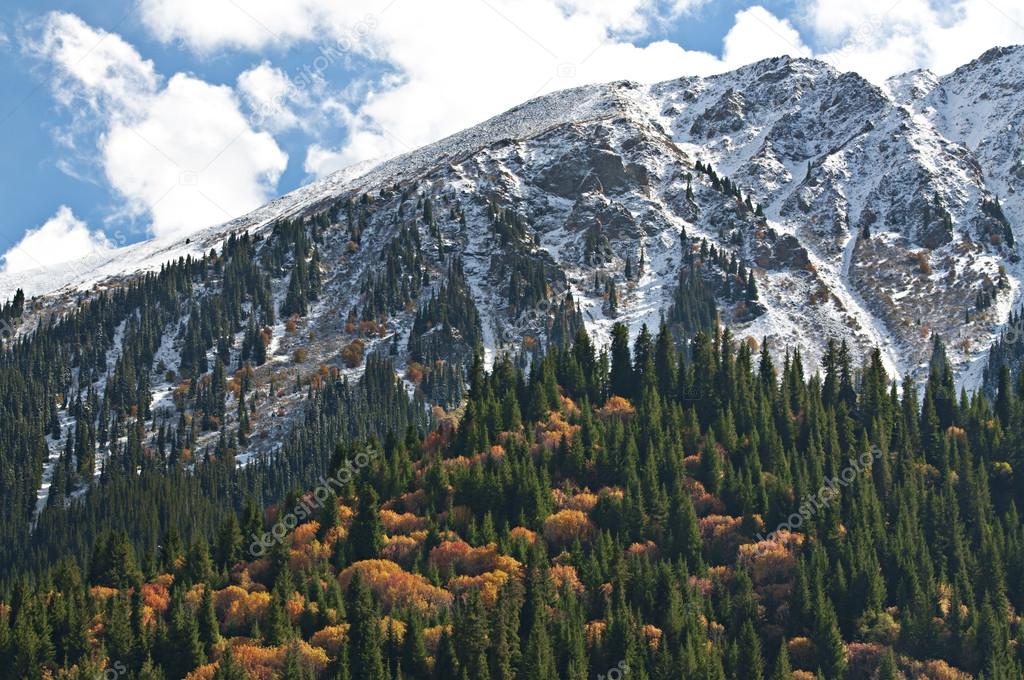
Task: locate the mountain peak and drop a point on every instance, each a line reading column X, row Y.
column 1005, row 62
column 910, row 86
column 827, row 188
column 1000, row 52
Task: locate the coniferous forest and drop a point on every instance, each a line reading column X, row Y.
column 678, row 505
column 651, row 511
column 714, row 378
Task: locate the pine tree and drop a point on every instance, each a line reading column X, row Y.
column 209, row 627
column 997, row 661
column 538, row 654
column 365, row 536
column 414, row 650
column 229, row 542
column 329, row 515
column 342, row 670
column 686, row 540
column 118, row 631
column 711, row 467
column 750, row 659
column 198, row 565
column 621, row 379
column 184, row 649
column 279, row 628
column 471, row 637
column 228, row 668
column 829, row 641
column 446, row 664
column 294, row 668
column 782, row 670
column 887, row 669
column 367, row 661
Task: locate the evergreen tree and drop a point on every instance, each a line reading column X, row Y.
column 366, row 658
column 621, row 380
column 750, row 659
column 782, row 670
column 365, row 536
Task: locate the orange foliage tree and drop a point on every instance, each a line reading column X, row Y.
column 395, row 587
column 563, row 527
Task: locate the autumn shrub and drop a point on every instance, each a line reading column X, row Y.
column 565, row 526
column 400, row 549
column 401, row 523
column 352, row 353
column 523, row 534
column 240, row 610
column 487, row 584
column 616, row 407
column 331, row 638
column 564, row 576
column 722, row 535
column 395, row 587
column 266, row 663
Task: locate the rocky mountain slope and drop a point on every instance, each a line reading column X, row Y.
column 878, row 216
column 179, row 393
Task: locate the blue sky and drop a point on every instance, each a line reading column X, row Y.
column 121, row 121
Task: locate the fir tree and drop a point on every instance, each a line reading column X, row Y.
column 367, row 661
column 365, row 536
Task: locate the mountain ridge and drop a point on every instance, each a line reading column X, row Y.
column 764, row 125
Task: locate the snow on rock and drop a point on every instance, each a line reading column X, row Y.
column 878, row 224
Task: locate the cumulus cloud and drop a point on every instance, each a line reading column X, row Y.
column 63, row 238
column 203, row 163
column 271, row 96
column 879, row 38
column 250, row 24
column 321, row 160
column 93, row 66
column 179, row 152
column 453, row 64
column 758, row 34
column 182, row 152
column 456, row 63
column 542, row 48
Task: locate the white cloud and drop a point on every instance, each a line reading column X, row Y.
column 180, row 152
column 446, row 66
column 61, row 239
column 202, row 162
column 455, row 63
column 270, row 95
column 94, row 66
column 506, row 52
column 758, row 34
column 250, row 24
column 879, row 38
column 321, row 161
column 458, row 62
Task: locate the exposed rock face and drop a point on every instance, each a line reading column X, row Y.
column 871, row 214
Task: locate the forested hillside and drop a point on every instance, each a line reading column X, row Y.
column 644, row 513
column 631, row 381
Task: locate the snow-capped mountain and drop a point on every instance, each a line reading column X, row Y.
column 879, row 216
